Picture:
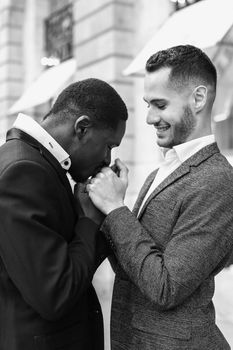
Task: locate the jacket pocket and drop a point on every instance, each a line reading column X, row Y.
column 154, row 324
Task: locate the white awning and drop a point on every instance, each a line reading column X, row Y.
column 203, row 24
column 45, row 87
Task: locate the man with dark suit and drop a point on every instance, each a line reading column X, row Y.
column 49, row 250
column 180, row 233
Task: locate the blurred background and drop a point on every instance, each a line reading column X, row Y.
column 47, row 44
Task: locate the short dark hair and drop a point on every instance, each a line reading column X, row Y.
column 188, row 63
column 92, row 97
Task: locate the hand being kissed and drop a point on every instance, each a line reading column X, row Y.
column 107, row 189
column 84, row 205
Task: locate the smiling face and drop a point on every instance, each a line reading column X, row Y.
column 92, row 151
column 169, row 109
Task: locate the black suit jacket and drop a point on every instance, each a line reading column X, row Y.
column 47, row 256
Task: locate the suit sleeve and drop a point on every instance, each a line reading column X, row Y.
column 50, row 273
column 201, row 239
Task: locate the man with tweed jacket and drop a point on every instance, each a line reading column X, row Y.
column 180, row 232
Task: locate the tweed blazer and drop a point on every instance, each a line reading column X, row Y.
column 169, row 255
column 47, row 256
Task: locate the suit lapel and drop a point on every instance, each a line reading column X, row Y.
column 143, row 191
column 20, row 135
column 181, row 171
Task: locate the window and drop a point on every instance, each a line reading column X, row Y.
column 180, row 4
column 58, row 32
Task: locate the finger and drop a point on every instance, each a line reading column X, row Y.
column 106, row 171
column 123, row 170
column 88, row 181
column 89, row 188
column 99, row 176
column 115, row 169
column 91, row 181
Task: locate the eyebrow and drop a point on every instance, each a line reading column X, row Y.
column 155, row 100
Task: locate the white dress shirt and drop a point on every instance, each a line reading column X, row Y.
column 174, row 157
column 32, row 128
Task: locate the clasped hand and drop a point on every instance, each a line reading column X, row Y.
column 107, row 189
column 84, row 205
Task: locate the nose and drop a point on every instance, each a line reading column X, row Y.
column 153, row 117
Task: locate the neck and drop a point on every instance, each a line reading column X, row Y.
column 59, row 133
column 203, row 126
column 200, row 133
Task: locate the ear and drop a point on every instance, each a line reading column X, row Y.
column 200, row 97
column 81, row 126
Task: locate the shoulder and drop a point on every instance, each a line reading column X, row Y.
column 14, row 150
column 17, row 155
column 23, row 166
column 213, row 174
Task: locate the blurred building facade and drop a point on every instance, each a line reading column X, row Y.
column 101, row 37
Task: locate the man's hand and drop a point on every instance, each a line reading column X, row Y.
column 84, row 205
column 107, row 189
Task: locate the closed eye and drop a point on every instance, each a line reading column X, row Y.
column 161, row 106
column 158, row 103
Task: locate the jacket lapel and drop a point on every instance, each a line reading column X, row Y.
column 143, row 191
column 15, row 133
column 183, row 169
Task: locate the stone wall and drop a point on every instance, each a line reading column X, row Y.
column 11, row 63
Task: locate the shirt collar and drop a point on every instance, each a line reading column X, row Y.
column 31, row 127
column 187, row 149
